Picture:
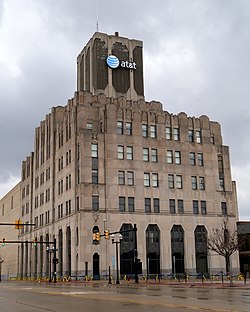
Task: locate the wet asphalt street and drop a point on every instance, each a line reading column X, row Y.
column 38, row 297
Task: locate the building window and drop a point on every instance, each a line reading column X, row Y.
column 121, row 177
column 89, row 125
column 129, row 152
column 153, row 131
column 128, row 128
column 156, row 205
column 200, row 159
column 154, row 155
column 67, row 183
column 67, row 208
column 178, row 181
column 212, row 138
column 198, row 136
column 130, row 178
column 195, row 207
column 168, row 133
column 70, row 206
column 221, row 183
column 146, row 179
column 144, row 130
column 94, row 150
column 120, row 152
column 171, row 181
column 94, row 176
column 202, row 183
column 176, row 134
column 155, row 179
column 95, row 203
column 194, row 183
column 60, row 211
column 192, row 158
column 145, row 154
column 169, row 157
column 203, row 207
column 121, row 204
column 23, row 210
column 191, row 135
column 77, row 203
column 180, row 206
column 119, row 127
column 224, row 208
column 172, row 205
column 177, row 157
column 131, row 204
column 147, row 205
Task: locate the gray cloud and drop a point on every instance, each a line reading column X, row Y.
column 196, row 59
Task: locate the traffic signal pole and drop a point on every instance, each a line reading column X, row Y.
column 97, row 236
column 54, row 261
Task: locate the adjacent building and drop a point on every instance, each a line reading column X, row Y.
column 109, row 160
column 10, row 213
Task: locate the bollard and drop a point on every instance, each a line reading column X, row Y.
column 245, row 278
column 222, row 280
column 110, row 279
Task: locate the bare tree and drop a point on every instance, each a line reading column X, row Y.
column 224, row 241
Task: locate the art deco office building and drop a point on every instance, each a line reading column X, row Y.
column 111, row 160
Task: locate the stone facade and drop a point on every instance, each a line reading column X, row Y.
column 10, row 212
column 108, row 162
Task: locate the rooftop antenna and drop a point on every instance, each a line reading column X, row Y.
column 97, row 25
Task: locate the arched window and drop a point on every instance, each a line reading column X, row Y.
column 153, row 249
column 41, row 257
column 127, row 247
column 201, row 249
column 68, row 250
column 60, row 252
column 177, row 248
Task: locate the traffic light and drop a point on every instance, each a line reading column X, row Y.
column 18, row 224
column 3, row 242
column 106, row 233
column 96, row 237
column 35, row 242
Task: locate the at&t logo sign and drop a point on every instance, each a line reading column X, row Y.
column 113, row 62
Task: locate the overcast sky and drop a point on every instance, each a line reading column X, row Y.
column 196, row 60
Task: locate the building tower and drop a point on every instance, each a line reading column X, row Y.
column 111, row 65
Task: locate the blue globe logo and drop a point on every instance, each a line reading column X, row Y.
column 113, row 61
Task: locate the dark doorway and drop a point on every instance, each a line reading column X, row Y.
column 201, row 249
column 68, row 248
column 60, row 252
column 177, row 248
column 127, row 248
column 153, row 250
column 41, row 257
column 96, row 265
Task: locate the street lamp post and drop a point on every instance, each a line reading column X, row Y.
column 49, row 250
column 116, row 250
